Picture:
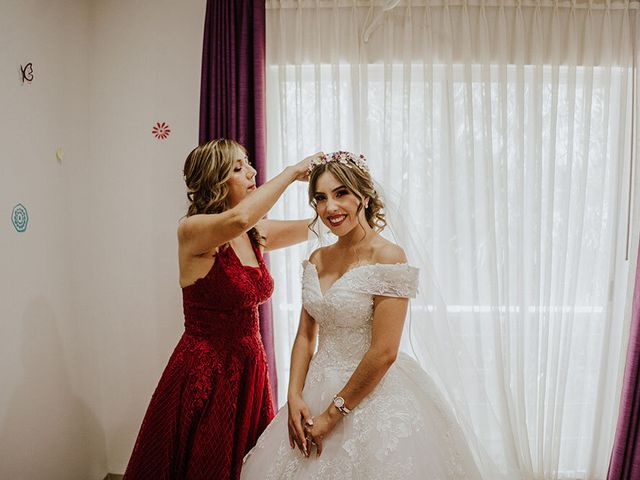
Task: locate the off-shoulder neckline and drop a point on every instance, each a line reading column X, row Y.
column 357, row 267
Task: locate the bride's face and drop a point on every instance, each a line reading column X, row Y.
column 336, row 206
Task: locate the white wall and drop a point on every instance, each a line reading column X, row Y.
column 145, row 68
column 90, row 308
column 48, row 428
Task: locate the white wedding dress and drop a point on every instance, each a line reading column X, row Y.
column 402, row 430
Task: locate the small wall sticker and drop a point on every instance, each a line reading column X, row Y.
column 27, row 72
column 161, row 130
column 20, row 217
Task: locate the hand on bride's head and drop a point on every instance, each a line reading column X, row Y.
column 304, row 167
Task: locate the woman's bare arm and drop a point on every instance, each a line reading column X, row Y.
column 283, row 233
column 203, row 232
column 301, row 354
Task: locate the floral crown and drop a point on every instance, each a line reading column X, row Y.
column 346, row 158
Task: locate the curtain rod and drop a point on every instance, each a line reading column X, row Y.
column 577, row 4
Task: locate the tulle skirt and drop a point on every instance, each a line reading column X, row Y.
column 402, row 430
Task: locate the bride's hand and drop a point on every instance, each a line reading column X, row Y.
column 299, row 414
column 322, row 425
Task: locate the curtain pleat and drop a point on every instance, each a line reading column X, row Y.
column 232, row 101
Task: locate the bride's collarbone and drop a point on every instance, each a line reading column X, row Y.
column 338, row 261
column 335, row 263
column 330, row 274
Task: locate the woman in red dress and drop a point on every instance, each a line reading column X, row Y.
column 213, row 400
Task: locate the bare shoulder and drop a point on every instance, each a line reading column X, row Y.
column 317, row 255
column 194, row 234
column 186, row 227
column 194, row 225
column 388, row 252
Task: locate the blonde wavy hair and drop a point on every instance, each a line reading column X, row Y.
column 207, row 170
column 359, row 183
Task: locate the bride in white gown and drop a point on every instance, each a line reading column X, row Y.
column 357, row 409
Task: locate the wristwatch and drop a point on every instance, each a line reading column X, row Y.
column 339, row 403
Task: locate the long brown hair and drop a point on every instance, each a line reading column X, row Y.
column 207, row 170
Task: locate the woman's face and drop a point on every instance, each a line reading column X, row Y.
column 242, row 180
column 336, row 206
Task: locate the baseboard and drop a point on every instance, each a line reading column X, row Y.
column 113, row 476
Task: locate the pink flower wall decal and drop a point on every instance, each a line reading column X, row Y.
column 161, row 130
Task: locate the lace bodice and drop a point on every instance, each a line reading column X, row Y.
column 344, row 312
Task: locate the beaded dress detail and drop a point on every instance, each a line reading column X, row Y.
column 402, row 430
column 213, row 400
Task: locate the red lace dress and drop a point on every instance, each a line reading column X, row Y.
column 213, row 400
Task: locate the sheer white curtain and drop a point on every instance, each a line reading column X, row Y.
column 509, row 129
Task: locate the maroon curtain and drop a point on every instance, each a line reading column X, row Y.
column 625, row 458
column 232, row 99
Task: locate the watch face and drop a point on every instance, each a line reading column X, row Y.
column 339, row 402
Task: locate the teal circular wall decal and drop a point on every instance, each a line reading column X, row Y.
column 20, row 217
